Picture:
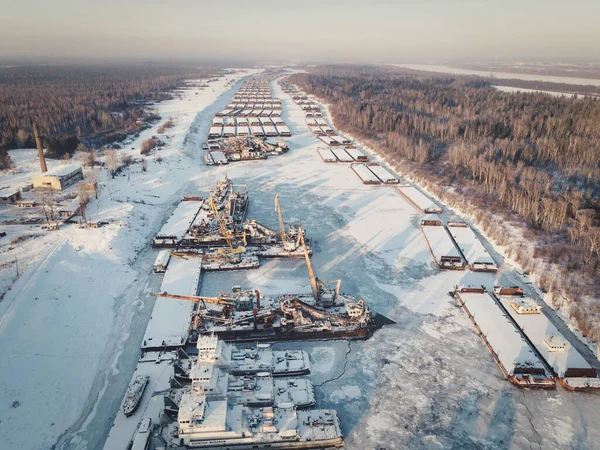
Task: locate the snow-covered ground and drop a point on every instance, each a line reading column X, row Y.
column 517, row 89
column 425, row 382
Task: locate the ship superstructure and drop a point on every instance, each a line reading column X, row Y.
column 233, row 399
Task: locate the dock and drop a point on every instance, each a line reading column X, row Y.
column 477, row 257
column 513, row 354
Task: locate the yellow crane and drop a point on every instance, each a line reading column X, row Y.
column 282, row 232
column 227, row 235
column 323, row 293
column 288, row 244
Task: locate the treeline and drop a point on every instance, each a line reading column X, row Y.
column 531, row 155
column 82, row 102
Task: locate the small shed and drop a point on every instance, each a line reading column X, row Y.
column 9, row 196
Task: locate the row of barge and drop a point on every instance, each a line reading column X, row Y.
column 528, row 348
column 339, row 148
column 455, row 246
column 240, row 132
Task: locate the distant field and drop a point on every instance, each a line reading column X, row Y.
column 503, row 75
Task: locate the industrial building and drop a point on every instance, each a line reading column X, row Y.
column 58, row 179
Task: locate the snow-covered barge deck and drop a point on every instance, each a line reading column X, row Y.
column 169, row 324
column 477, row 257
column 568, row 365
column 327, row 155
column 366, row 176
column 419, row 200
column 515, row 357
column 445, row 254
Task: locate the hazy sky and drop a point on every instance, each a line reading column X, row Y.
column 320, row 30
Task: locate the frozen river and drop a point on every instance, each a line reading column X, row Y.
column 426, row 381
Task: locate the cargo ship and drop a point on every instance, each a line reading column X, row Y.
column 245, row 316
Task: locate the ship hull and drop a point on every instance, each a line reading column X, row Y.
column 244, row 336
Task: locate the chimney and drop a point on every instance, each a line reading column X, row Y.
column 38, row 143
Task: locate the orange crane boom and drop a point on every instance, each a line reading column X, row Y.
column 192, row 298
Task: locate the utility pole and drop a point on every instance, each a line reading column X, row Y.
column 17, row 266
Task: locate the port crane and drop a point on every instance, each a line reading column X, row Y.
column 288, row 244
column 324, row 294
column 227, row 235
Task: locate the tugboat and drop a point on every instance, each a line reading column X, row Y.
column 134, row 394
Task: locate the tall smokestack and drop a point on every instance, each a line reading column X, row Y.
column 38, row 143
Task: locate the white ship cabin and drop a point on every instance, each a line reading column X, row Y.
column 205, row 379
column 525, row 305
column 211, row 350
column 555, row 343
column 200, row 419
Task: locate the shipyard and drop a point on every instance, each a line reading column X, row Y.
column 285, row 287
column 220, row 346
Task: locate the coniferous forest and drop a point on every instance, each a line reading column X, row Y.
column 69, row 103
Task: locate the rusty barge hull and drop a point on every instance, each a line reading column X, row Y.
column 569, row 387
column 244, row 336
